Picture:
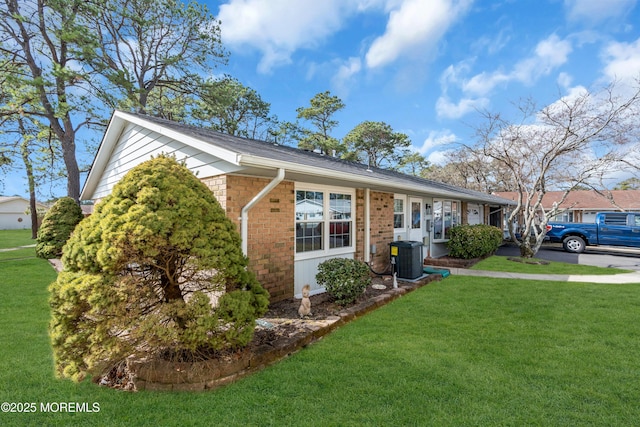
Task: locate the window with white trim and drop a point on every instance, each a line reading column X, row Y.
column 309, row 221
column 446, row 214
column 324, row 220
column 398, row 212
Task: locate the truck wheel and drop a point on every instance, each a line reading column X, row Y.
column 574, row 244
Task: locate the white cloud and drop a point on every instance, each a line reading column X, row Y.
column 413, row 27
column 454, row 74
column 560, row 105
column 278, row 28
column 483, row 83
column 343, row 77
column 623, row 61
column 493, row 43
column 595, row 11
column 436, row 139
column 549, row 55
column 445, row 108
column 439, row 158
column 564, row 80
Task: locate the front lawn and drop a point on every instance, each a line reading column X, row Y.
column 463, row 351
column 15, row 238
column 538, row 266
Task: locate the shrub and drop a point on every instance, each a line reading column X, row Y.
column 473, row 241
column 56, row 227
column 141, row 270
column 344, row 279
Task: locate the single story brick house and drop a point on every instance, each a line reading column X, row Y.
column 295, row 208
column 583, row 205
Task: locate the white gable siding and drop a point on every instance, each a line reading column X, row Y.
column 137, row 144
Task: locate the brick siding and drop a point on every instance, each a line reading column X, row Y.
column 381, row 208
column 271, row 228
column 271, row 240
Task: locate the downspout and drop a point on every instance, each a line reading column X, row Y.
column 244, row 216
column 367, row 225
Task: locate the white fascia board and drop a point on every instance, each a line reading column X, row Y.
column 109, row 140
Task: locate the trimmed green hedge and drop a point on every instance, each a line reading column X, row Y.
column 344, row 279
column 473, row 241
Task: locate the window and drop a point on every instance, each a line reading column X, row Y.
column 615, row 219
column 445, row 215
column 564, row 217
column 398, row 213
column 309, row 220
column 340, row 220
column 415, row 215
column 323, row 221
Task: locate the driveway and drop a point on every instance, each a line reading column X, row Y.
column 625, row 258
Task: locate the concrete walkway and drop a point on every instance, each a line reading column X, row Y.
column 633, row 277
column 19, row 247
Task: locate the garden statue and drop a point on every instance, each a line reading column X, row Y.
column 305, row 304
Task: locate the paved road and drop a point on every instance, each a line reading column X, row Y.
column 625, row 258
column 610, row 257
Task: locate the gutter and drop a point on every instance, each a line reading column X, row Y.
column 382, row 183
column 244, row 216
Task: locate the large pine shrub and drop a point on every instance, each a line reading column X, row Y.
column 142, row 271
column 56, row 227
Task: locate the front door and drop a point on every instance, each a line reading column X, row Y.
column 416, row 224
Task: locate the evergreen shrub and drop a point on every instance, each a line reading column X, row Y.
column 344, row 279
column 473, row 241
column 56, row 227
column 157, row 269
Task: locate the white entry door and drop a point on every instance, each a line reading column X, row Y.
column 416, row 223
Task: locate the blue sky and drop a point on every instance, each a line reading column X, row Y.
column 426, row 67
column 423, row 66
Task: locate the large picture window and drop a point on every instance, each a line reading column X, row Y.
column 445, row 215
column 324, row 221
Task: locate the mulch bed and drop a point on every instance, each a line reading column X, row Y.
column 322, row 306
column 278, row 327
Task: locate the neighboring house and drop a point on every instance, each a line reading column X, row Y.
column 86, row 210
column 583, row 205
column 295, row 208
column 14, row 213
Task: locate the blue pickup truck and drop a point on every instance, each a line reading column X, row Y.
column 610, row 229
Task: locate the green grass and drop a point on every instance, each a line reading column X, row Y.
column 15, row 238
column 17, row 254
column 503, row 263
column 463, row 351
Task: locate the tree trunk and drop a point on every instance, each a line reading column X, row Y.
column 73, row 171
column 32, row 182
column 34, row 210
column 172, row 292
column 525, row 250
